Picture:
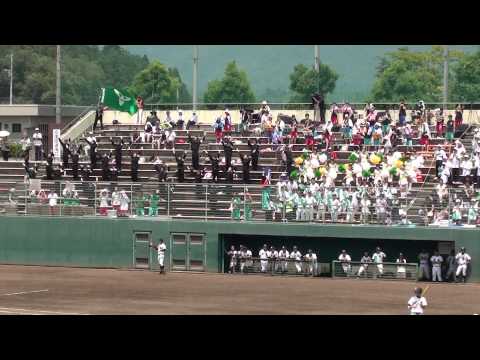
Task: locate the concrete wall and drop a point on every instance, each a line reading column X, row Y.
column 100, row 242
column 208, row 116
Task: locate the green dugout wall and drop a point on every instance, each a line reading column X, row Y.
column 199, row 245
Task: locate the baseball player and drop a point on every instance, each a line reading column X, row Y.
column 437, row 261
column 463, row 259
column 161, row 248
column 297, row 256
column 283, row 256
column 263, row 258
column 233, row 259
column 417, row 303
column 311, row 262
column 248, row 261
column 401, row 269
column 345, row 260
column 377, row 258
column 273, row 256
column 364, row 261
column 242, row 255
column 424, row 266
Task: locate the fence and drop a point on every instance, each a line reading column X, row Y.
column 386, row 270
column 299, row 106
column 356, row 206
column 274, row 267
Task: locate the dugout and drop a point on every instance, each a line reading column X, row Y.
column 329, row 248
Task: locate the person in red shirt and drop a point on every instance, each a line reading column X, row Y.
column 440, row 126
column 293, row 135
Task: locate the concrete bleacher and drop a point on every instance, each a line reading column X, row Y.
column 188, row 199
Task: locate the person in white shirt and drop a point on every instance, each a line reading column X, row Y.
column 193, row 121
column 116, row 199
column 417, row 303
column 401, row 269
column 297, row 256
column 440, row 157
column 272, row 259
column 37, row 144
column 377, row 258
column 52, row 202
column 283, row 256
column 263, row 259
column 103, row 202
column 161, row 248
column 463, row 259
column 311, row 263
column 124, row 201
column 345, row 260
column 180, row 120
column 437, row 261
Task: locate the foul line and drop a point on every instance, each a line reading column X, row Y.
column 41, row 312
column 24, row 292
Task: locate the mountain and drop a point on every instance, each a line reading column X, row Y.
column 268, row 67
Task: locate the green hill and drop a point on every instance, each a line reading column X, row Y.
column 268, row 67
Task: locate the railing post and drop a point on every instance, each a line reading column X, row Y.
column 168, row 200
column 244, row 202
column 26, row 198
column 131, row 200
column 206, row 202
column 95, row 199
column 62, row 200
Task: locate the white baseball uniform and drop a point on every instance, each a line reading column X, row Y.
column 424, row 268
column 416, row 305
column 436, row 267
column 378, row 259
column 365, row 260
column 462, row 262
column 345, row 260
column 283, row 256
column 297, row 256
column 311, row 262
column 161, row 253
column 401, row 270
column 263, row 254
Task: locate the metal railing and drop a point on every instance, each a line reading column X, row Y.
column 239, row 203
column 385, row 270
column 301, row 106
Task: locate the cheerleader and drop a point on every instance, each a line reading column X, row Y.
column 103, row 202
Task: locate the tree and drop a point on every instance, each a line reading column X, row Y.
column 411, row 76
column 304, row 82
column 233, row 87
column 157, row 84
column 467, row 79
column 183, row 94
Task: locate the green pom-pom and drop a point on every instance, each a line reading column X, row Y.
column 294, row 175
column 393, row 171
column 318, row 173
column 353, row 157
column 342, row 168
column 380, row 155
column 366, row 173
column 305, row 154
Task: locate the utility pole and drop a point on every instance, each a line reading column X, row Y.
column 445, row 76
column 317, row 59
column 317, row 64
column 58, row 109
column 11, row 79
column 195, row 69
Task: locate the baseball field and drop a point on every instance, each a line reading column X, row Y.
column 80, row 291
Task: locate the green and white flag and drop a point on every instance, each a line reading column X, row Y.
column 120, row 100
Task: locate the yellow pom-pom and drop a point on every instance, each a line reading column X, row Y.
column 398, row 163
column 299, row 160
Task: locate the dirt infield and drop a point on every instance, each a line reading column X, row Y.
column 53, row 290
